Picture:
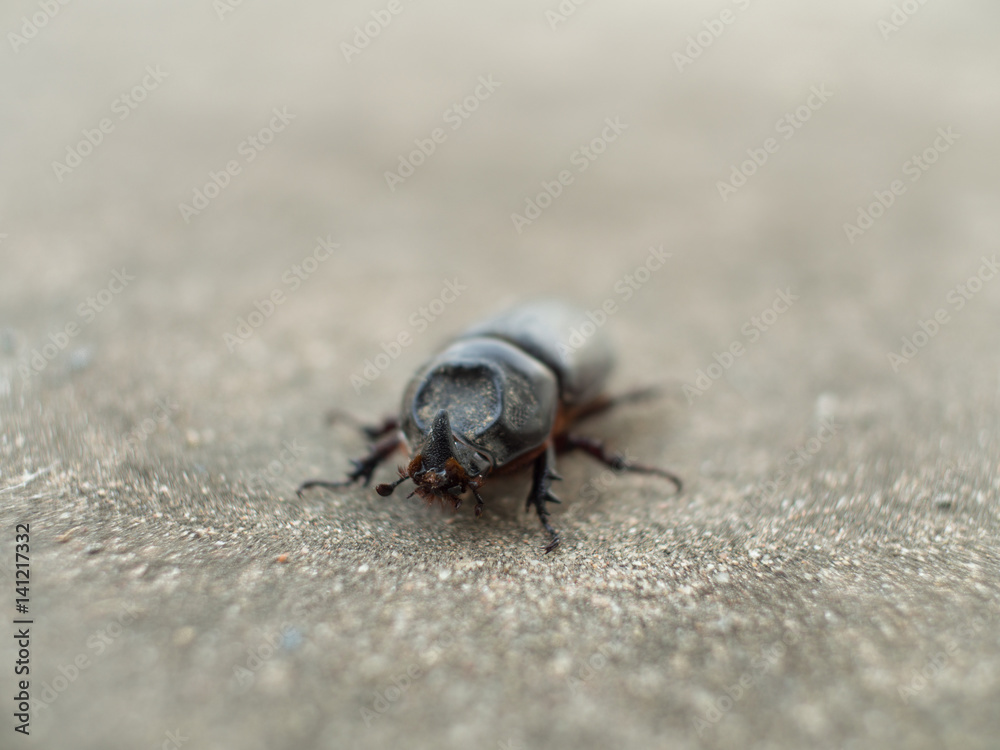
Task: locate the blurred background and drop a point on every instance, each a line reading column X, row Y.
column 215, row 219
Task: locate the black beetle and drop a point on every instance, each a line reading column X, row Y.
column 502, row 396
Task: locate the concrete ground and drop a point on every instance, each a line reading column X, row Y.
column 214, row 214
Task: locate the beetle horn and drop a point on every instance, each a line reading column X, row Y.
column 440, row 442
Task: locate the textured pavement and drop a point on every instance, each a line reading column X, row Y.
column 216, row 227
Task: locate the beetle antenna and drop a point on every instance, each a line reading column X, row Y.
column 386, row 489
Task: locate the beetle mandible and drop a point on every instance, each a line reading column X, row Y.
column 500, row 397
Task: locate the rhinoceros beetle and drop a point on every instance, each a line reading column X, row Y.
column 501, row 397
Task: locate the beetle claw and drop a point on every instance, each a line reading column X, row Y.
column 479, row 503
column 540, row 495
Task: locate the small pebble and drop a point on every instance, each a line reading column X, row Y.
column 183, row 636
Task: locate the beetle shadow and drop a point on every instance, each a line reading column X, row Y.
column 504, row 518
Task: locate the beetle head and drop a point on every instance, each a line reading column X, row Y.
column 436, row 470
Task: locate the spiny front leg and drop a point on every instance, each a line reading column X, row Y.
column 606, row 403
column 363, row 467
column 542, row 476
column 616, row 461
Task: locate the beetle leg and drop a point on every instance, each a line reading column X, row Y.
column 387, row 425
column 604, row 403
column 479, row 502
column 363, row 467
column 616, row 461
column 540, row 493
column 372, row 431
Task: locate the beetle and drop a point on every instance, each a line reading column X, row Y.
column 501, row 397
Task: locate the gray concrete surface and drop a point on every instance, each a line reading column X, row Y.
column 831, row 587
